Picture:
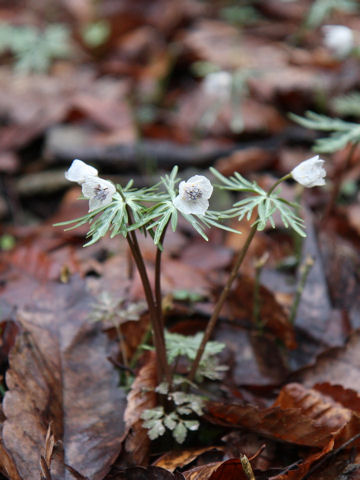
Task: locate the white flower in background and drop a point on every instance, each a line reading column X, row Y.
column 194, row 195
column 98, row 191
column 79, row 171
column 339, row 39
column 218, row 85
column 310, row 173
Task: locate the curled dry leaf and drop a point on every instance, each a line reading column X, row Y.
column 230, row 470
column 174, row 459
column 59, row 372
column 141, row 397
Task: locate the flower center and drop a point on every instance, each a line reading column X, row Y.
column 100, row 193
column 192, row 193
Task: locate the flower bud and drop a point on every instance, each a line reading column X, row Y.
column 338, row 39
column 310, row 173
column 79, row 171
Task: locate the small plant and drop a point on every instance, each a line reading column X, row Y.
column 128, row 212
column 223, row 89
column 347, row 105
column 34, row 50
column 342, row 132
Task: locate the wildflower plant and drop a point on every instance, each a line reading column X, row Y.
column 128, row 211
column 342, row 132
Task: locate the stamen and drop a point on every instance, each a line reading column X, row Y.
column 100, row 193
column 192, row 193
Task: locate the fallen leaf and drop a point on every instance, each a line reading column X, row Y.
column 230, row 470
column 174, row 459
column 272, row 316
column 141, row 397
column 59, row 372
column 338, row 366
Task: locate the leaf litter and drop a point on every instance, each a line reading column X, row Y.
column 291, row 387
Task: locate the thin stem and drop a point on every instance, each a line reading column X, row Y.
column 212, row 322
column 158, row 296
column 163, row 369
column 225, row 292
column 304, row 272
column 259, row 265
column 282, row 179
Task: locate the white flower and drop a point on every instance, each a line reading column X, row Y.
column 310, row 173
column 218, row 85
column 79, row 171
column 194, row 195
column 339, row 39
column 98, row 191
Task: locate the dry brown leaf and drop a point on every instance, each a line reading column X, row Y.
column 59, row 372
column 230, row 470
column 175, row 459
column 141, row 397
column 7, row 464
column 272, row 315
column 338, row 366
column 283, row 424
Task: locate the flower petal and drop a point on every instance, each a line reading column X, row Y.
column 79, row 171
column 197, row 207
column 310, row 173
column 98, row 191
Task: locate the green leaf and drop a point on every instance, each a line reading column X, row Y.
column 181, row 345
column 348, row 104
column 342, row 132
column 179, row 432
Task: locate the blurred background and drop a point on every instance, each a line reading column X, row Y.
column 134, row 87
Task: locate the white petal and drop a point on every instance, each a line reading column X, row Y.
column 339, row 39
column 79, row 170
column 182, row 187
column 98, row 191
column 310, row 173
column 197, row 207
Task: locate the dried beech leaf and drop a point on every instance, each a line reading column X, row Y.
column 59, row 373
column 230, row 470
column 282, row 424
column 174, row 459
column 323, row 409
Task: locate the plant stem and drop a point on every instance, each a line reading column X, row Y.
column 304, row 272
column 259, row 265
column 158, row 296
column 212, row 322
column 282, row 179
column 225, row 292
column 163, row 369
